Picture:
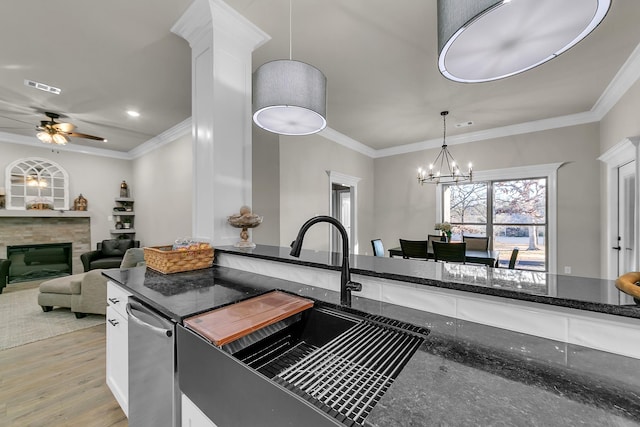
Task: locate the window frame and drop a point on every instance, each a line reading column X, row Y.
column 55, row 176
column 548, row 171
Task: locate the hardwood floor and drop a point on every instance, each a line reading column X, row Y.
column 59, row 381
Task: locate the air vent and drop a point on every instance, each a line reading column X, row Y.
column 42, row 86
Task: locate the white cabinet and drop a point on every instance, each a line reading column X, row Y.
column 118, row 345
column 192, row 416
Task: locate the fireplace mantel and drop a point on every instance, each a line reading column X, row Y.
column 45, row 213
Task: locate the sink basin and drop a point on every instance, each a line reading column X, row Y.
column 340, row 363
column 293, row 339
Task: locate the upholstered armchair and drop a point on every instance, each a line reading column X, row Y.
column 109, row 254
column 4, row 273
column 83, row 293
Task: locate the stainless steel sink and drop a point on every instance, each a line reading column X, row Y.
column 339, row 362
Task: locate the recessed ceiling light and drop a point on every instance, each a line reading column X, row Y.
column 132, row 113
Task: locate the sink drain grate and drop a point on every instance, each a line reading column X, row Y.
column 353, row 371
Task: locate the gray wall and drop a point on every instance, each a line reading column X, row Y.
column 303, row 187
column 622, row 121
column 97, row 178
column 160, row 182
column 404, row 209
column 162, row 186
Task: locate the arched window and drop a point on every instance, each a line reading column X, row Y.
column 33, row 182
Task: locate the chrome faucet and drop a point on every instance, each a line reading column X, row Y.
column 346, row 285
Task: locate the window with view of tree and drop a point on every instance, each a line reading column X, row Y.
column 512, row 212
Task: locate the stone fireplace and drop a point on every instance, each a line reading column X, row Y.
column 45, row 227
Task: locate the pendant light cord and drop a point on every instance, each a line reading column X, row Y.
column 290, row 38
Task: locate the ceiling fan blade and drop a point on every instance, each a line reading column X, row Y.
column 85, row 136
column 64, row 127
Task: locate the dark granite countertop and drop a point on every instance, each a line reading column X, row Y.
column 180, row 295
column 583, row 293
column 464, row 374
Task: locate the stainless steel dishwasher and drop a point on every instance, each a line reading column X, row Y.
column 153, row 396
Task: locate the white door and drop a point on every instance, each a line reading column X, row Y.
column 626, row 223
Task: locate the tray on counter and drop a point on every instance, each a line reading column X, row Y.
column 166, row 260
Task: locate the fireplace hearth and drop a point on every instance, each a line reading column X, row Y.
column 33, row 262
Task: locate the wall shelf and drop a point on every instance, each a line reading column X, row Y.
column 124, row 231
column 126, row 216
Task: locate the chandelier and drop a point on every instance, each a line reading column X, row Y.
column 446, row 168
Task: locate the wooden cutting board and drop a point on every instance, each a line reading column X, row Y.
column 227, row 324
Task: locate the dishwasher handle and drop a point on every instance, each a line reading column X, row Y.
column 132, row 307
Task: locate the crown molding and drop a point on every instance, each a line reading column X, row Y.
column 181, row 129
column 342, row 139
column 34, row 142
column 501, row 132
column 626, row 77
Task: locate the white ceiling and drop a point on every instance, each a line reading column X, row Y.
column 379, row 56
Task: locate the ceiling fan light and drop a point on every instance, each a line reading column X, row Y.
column 289, row 98
column 44, row 137
column 486, row 40
column 60, row 139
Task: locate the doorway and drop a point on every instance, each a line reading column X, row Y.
column 343, row 196
column 626, row 223
column 341, row 210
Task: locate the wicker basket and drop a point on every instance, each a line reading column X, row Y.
column 165, row 260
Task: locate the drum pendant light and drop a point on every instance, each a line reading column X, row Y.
column 289, row 97
column 485, row 40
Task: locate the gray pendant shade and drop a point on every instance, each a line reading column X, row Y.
column 289, row 98
column 484, row 40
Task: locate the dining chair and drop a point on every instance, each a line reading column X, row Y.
column 432, row 238
column 476, row 243
column 378, row 247
column 450, row 252
column 514, row 257
column 414, row 249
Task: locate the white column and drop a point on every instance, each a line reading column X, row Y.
column 221, row 43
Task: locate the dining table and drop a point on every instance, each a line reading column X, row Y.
column 488, row 257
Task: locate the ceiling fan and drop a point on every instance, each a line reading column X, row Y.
column 52, row 132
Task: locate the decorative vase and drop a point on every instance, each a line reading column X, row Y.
column 124, row 189
column 244, row 221
column 447, row 235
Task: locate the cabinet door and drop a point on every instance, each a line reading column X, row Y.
column 118, row 358
column 192, row 416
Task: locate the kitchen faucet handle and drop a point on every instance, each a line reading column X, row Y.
column 354, row 286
